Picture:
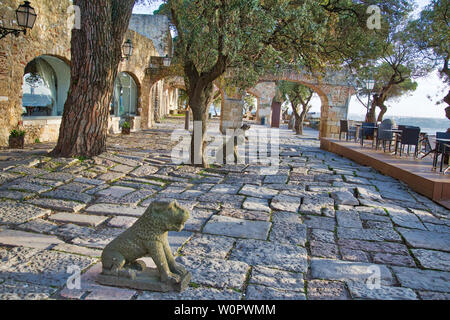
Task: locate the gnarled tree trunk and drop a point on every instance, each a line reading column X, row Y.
column 96, row 51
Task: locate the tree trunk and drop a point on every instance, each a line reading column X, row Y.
column 447, row 101
column 199, row 100
column 298, row 125
column 382, row 112
column 96, row 51
column 370, row 116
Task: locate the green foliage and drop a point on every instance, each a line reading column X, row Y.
column 37, row 140
column 296, row 93
column 126, row 125
column 255, row 37
column 430, row 33
column 17, row 133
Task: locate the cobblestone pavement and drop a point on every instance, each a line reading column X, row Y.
column 322, row 227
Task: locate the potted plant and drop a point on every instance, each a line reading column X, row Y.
column 126, row 128
column 16, row 139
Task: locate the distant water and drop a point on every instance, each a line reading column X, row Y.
column 429, row 125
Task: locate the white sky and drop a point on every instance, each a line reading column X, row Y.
column 416, row 104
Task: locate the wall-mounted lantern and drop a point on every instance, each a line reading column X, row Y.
column 167, row 61
column 157, row 62
column 26, row 17
column 127, row 50
column 370, row 84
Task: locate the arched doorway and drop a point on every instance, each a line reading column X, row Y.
column 45, row 87
column 126, row 94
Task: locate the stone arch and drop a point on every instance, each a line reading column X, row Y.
column 334, row 91
column 149, row 86
column 127, row 95
column 46, row 85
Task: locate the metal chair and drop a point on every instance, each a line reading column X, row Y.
column 384, row 135
column 409, row 137
column 439, row 150
column 428, row 148
column 367, row 130
column 347, row 129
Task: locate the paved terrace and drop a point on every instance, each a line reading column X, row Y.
column 315, row 230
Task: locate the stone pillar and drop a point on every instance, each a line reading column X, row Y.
column 337, row 109
column 265, row 91
column 187, row 119
column 231, row 114
column 146, row 105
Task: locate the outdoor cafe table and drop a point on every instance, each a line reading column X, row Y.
column 396, row 132
column 446, row 144
column 358, row 125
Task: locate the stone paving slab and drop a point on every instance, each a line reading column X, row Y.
column 48, row 268
column 286, row 281
column 97, row 240
column 80, row 219
column 216, row 273
column 317, row 222
column 426, row 239
column 197, row 219
column 27, row 239
column 255, row 292
column 70, row 248
column 15, row 255
column 258, row 192
column 423, row 279
column 287, row 228
column 193, row 293
column 28, row 187
column 271, row 255
column 58, row 204
column 361, row 291
column 285, row 203
column 209, row 246
column 431, row 259
column 326, row 290
column 245, row 214
column 349, row 219
column 393, row 259
column 15, row 195
column 115, row 209
column 16, row 290
column 226, row 188
column 374, row 246
column 368, row 234
column 59, row 176
column 327, row 269
column 122, row 222
column 132, row 198
column 256, row 204
column 232, row 227
column 38, row 226
column 115, row 191
column 13, row 213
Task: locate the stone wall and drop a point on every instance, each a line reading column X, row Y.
column 334, row 90
column 51, row 36
column 231, row 111
column 156, row 28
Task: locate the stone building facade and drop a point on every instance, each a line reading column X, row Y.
column 49, row 41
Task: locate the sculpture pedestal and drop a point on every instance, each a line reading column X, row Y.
column 146, row 280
